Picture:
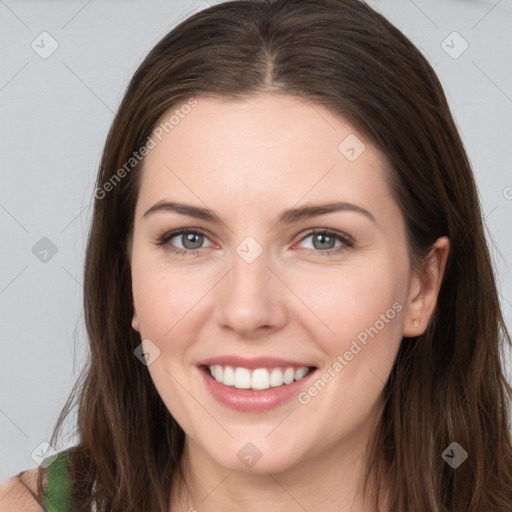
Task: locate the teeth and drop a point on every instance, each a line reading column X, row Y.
column 276, row 377
column 229, row 376
column 300, row 372
column 260, row 379
column 289, row 375
column 257, row 379
column 242, row 378
column 217, row 373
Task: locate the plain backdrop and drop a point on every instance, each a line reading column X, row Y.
column 56, row 110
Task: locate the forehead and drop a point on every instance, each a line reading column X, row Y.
column 265, row 149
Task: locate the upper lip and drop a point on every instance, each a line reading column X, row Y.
column 256, row 362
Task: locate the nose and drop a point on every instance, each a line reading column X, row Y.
column 251, row 300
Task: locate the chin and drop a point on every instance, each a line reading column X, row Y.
column 246, row 457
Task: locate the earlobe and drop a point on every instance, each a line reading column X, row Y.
column 424, row 289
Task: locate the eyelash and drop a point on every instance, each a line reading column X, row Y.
column 347, row 241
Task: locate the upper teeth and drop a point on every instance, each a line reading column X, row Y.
column 260, row 378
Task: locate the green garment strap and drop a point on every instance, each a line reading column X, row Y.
column 58, row 490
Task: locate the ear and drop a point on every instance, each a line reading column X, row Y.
column 424, row 289
column 135, row 320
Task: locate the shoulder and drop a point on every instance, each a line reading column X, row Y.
column 19, row 493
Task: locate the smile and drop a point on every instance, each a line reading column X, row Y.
column 257, row 379
column 254, row 385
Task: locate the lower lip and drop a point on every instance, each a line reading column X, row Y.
column 247, row 400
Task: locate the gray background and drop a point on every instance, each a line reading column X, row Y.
column 56, row 112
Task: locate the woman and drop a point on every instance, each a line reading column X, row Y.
column 288, row 293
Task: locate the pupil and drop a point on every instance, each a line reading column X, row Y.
column 190, row 238
column 322, row 238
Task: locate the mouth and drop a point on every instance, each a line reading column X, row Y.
column 257, row 379
column 258, row 386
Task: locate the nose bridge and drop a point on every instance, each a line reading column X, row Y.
column 250, row 296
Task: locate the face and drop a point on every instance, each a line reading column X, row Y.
column 261, row 289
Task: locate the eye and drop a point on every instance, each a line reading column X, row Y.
column 324, row 240
column 191, row 240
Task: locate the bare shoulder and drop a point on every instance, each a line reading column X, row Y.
column 19, row 493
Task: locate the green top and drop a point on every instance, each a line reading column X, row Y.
column 58, row 491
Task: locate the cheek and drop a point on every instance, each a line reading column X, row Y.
column 165, row 308
column 364, row 308
column 166, row 299
column 352, row 298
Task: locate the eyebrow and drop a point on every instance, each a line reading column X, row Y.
column 288, row 216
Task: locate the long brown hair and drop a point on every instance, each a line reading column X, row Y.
column 446, row 386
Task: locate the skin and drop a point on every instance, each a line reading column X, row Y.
column 247, row 161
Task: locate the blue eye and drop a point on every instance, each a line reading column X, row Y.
column 189, row 237
column 193, row 239
column 326, row 238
